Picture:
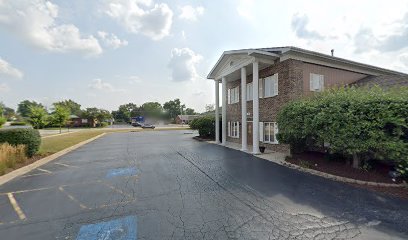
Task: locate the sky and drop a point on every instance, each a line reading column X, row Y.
column 104, row 53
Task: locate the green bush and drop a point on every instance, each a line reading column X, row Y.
column 2, row 121
column 205, row 126
column 26, row 136
column 360, row 123
column 102, row 124
column 18, row 123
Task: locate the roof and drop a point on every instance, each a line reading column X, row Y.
column 290, row 52
column 187, row 117
column 73, row 116
column 383, row 81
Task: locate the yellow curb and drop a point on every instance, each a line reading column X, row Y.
column 18, row 172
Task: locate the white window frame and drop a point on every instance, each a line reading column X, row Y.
column 270, row 86
column 233, row 129
column 262, row 127
column 233, row 95
column 316, row 82
column 249, row 92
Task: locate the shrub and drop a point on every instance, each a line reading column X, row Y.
column 102, row 124
column 10, row 155
column 205, row 126
column 356, row 122
column 26, row 136
column 2, row 121
column 18, row 123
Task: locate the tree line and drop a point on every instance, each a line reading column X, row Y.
column 59, row 114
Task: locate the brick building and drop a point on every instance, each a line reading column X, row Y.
column 256, row 83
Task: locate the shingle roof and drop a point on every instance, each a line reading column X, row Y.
column 383, row 81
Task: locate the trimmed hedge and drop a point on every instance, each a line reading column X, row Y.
column 360, row 123
column 18, row 123
column 205, row 126
column 26, row 136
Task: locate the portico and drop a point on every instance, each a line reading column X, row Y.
column 234, row 65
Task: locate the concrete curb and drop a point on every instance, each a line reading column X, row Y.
column 322, row 174
column 57, row 134
column 18, row 172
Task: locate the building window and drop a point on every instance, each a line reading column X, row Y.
column 249, row 92
column 233, row 129
column 233, row 95
column 270, row 86
column 316, row 82
column 268, row 131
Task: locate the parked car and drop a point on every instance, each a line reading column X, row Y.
column 136, row 124
column 146, row 125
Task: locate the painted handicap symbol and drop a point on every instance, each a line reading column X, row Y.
column 118, row 229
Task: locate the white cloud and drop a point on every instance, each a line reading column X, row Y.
column 300, row 26
column 6, row 69
column 141, row 16
column 100, row 85
column 36, row 23
column 111, row 40
column 134, row 80
column 183, row 63
column 4, row 87
column 245, row 8
column 191, row 13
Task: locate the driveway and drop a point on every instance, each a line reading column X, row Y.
column 164, row 185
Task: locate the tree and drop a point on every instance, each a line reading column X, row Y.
column 190, row 111
column 73, row 107
column 8, row 112
column 38, row 117
column 60, row 116
column 173, row 108
column 97, row 114
column 125, row 112
column 151, row 109
column 209, row 108
column 24, row 107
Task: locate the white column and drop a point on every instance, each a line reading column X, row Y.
column 224, row 111
column 255, row 127
column 243, row 110
column 217, row 111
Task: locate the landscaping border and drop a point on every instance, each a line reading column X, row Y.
column 314, row 172
column 23, row 170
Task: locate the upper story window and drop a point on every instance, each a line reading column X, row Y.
column 269, row 86
column 316, row 82
column 249, row 92
column 233, row 95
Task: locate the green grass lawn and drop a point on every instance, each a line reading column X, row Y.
column 57, row 143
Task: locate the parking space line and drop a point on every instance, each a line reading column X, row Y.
column 72, row 198
column 44, row 170
column 36, row 174
column 117, row 190
column 16, row 207
column 65, row 165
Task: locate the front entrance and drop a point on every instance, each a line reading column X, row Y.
column 249, row 133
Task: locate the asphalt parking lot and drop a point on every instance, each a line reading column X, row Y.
column 164, row 185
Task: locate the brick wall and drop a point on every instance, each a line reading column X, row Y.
column 290, row 87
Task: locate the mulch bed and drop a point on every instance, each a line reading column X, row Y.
column 340, row 167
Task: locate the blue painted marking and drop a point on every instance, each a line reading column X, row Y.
column 118, row 229
column 121, row 172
